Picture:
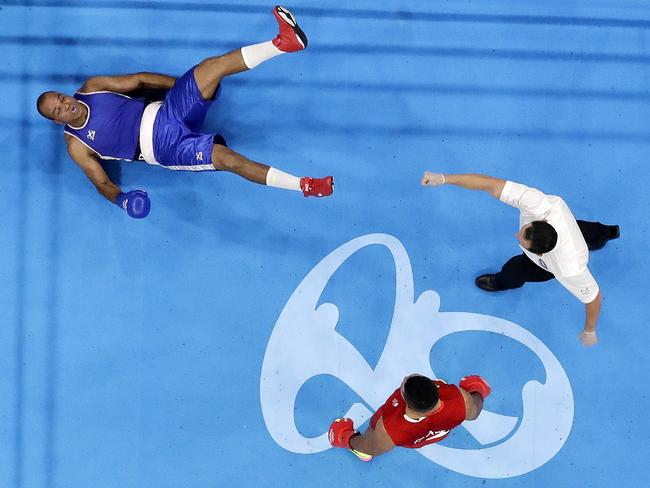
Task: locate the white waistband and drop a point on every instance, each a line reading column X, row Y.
column 146, row 131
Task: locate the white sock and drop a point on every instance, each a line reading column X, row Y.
column 280, row 179
column 258, row 53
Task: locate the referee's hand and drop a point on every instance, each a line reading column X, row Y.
column 588, row 338
column 432, row 179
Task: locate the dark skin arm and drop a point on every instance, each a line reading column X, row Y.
column 374, row 441
column 128, row 83
column 89, row 163
column 473, row 404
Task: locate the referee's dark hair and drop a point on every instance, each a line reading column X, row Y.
column 542, row 237
column 420, row 393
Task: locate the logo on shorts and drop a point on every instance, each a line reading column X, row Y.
column 199, row 156
column 305, row 344
column 91, row 135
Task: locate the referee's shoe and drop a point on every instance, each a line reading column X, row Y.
column 487, row 282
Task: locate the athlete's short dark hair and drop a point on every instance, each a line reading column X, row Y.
column 420, row 393
column 542, row 237
column 39, row 104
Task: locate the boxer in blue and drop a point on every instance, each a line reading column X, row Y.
column 101, row 122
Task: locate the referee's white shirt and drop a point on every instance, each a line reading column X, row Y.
column 568, row 259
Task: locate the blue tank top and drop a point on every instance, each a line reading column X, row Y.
column 112, row 129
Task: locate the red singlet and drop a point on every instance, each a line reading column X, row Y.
column 407, row 432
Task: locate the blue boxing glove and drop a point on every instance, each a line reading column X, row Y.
column 135, row 202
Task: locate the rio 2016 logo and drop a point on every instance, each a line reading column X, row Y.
column 304, row 336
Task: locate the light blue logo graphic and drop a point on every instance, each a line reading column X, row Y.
column 304, row 344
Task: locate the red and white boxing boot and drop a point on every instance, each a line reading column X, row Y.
column 291, row 37
column 339, row 435
column 317, row 187
column 475, row 384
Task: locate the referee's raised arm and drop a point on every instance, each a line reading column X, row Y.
column 494, row 186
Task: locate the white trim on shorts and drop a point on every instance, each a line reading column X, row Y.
column 192, row 167
column 146, row 132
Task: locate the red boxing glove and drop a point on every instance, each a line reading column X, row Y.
column 340, row 433
column 475, row 384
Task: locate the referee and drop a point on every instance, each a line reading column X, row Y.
column 555, row 245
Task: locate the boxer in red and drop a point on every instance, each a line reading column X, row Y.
column 420, row 412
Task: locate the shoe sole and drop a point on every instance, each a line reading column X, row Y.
column 366, row 458
column 291, row 20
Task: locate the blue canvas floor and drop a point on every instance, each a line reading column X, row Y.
column 212, row 343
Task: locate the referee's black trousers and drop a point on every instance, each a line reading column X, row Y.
column 520, row 269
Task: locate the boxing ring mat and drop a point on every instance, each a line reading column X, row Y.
column 212, row 343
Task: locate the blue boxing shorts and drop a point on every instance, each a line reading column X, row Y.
column 176, row 142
